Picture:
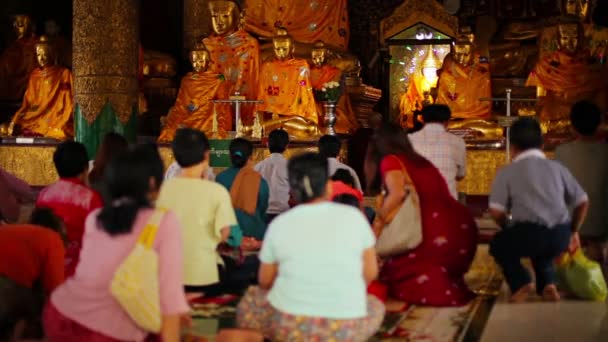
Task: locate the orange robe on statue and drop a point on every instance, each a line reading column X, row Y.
column 413, row 100
column 460, row 88
column 346, row 121
column 286, row 89
column 193, row 107
column 306, row 21
column 16, row 64
column 237, row 57
column 48, row 104
column 567, row 80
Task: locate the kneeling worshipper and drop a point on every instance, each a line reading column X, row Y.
column 48, row 103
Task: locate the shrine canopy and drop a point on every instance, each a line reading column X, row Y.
column 419, row 20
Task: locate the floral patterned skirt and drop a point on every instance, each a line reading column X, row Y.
column 255, row 312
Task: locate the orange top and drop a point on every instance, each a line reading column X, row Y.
column 285, row 89
column 460, row 88
column 29, row 254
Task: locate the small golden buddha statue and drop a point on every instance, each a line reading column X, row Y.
column 322, row 73
column 235, row 54
column 462, row 83
column 18, row 60
column 193, row 107
column 565, row 77
column 48, row 104
column 286, row 90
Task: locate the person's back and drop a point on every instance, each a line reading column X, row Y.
column 70, row 198
column 446, row 151
column 274, row 170
column 329, row 147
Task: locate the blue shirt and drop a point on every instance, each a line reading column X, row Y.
column 319, row 251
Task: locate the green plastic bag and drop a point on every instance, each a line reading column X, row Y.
column 581, row 276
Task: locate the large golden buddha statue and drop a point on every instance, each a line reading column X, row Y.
column 48, row 102
column 463, row 81
column 193, row 107
column 286, row 90
column 234, row 54
column 549, row 36
column 322, row 73
column 566, row 76
column 18, row 60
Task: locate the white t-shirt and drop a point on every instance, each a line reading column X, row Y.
column 274, row 171
column 174, row 170
column 319, row 250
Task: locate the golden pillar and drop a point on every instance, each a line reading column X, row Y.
column 105, row 68
column 197, row 22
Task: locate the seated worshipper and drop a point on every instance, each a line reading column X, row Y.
column 31, row 267
column 274, row 171
column 433, row 272
column 536, row 193
column 13, row 193
column 113, row 144
column 83, row 308
column 329, row 147
column 587, row 159
column 445, row 150
column 204, row 209
column 309, row 253
column 70, row 198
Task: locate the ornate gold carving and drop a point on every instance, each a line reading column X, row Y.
column 105, row 63
column 411, row 12
column 197, row 22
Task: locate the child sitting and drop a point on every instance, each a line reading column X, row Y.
column 537, row 194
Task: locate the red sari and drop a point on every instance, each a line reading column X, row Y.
column 432, row 273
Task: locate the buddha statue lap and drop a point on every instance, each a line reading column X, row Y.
column 48, row 102
column 193, row 107
column 322, row 73
column 285, row 87
column 18, row 60
column 566, row 76
column 235, row 54
column 463, row 81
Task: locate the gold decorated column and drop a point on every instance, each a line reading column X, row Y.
column 105, row 68
column 197, row 22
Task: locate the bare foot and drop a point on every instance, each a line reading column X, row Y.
column 521, row 296
column 550, row 293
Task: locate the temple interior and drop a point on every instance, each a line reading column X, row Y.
column 77, row 70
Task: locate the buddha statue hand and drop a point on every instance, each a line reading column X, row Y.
column 296, row 126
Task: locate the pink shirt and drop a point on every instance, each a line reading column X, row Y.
column 85, row 297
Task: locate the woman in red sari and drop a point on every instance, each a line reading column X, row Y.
column 432, row 273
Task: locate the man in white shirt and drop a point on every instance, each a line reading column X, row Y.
column 329, row 147
column 445, row 150
column 173, row 170
column 274, row 170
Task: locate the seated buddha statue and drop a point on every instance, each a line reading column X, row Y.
column 419, row 88
column 462, row 83
column 193, row 107
column 49, row 99
column 566, row 76
column 321, row 73
column 286, row 90
column 234, row 54
column 18, row 60
column 549, row 34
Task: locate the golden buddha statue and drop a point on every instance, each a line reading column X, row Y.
column 566, row 76
column 48, row 102
column 193, row 107
column 549, row 35
column 286, row 90
column 321, row 73
column 18, row 60
column 234, row 54
column 419, row 89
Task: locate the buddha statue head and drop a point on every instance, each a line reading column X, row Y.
column 578, row 8
column 225, row 17
column 200, row 58
column 569, row 38
column 466, row 33
column 44, row 52
column 463, row 51
column 23, row 25
column 319, row 54
column 283, row 44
